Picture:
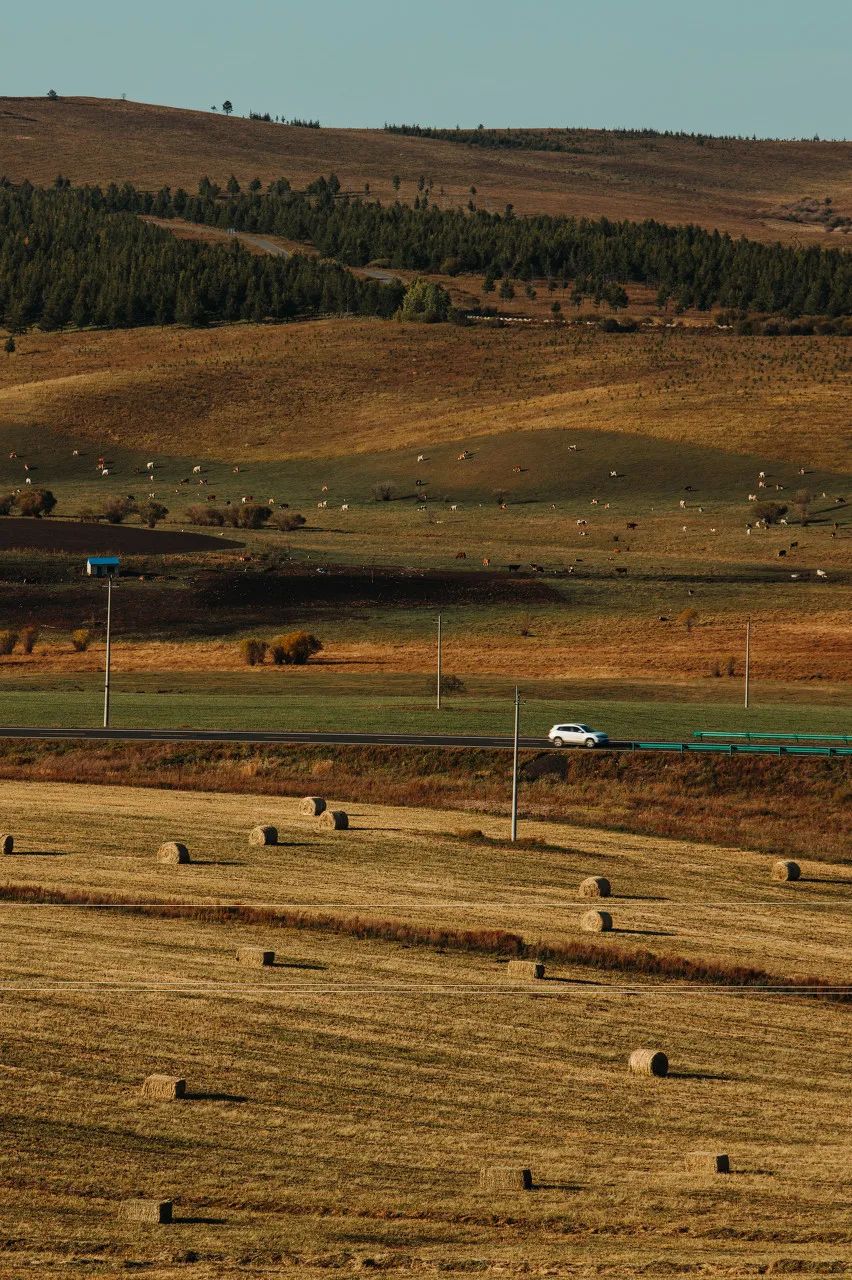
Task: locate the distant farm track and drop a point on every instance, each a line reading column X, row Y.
column 739, row 186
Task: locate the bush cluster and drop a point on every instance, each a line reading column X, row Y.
column 245, row 515
column 293, row 649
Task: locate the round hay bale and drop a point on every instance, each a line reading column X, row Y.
column 172, row 852
column 312, row 806
column 7, row 844
column 334, row 820
column 596, row 922
column 648, row 1062
column 786, row 869
column 595, row 887
column 263, row 835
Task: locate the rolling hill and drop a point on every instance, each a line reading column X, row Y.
column 750, row 188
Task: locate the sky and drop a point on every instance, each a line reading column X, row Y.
column 774, row 68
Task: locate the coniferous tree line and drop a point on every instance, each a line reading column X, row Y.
column 576, row 141
column 79, row 256
column 688, row 265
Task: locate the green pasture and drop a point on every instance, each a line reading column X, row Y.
column 273, row 699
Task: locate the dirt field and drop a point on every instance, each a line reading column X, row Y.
column 737, row 186
column 103, row 539
column 341, row 1104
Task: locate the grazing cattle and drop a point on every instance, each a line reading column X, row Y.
column 419, row 483
column 632, row 524
column 513, row 568
column 613, row 475
column 320, row 505
column 104, row 472
column 28, row 480
column 344, row 506
column 454, row 506
column 781, row 554
column 537, row 568
column 821, row 573
column 683, row 528
column 517, row 470
column 461, row 555
column 620, row 569
column 583, row 533
column 570, row 569
column 752, row 497
column 463, row 456
column 572, row 448
column 793, row 546
column 594, row 502
column 682, row 504
column 579, row 522
column 504, row 506
column 196, row 471
column 486, row 560
column 795, row 576
column 761, row 484
column 421, row 457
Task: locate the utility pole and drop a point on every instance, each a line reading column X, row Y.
column 514, row 835
column 106, row 669
column 747, row 659
column 439, row 663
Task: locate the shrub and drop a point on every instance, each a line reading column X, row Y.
column 89, row 515
column 205, row 515
column 8, row 640
column 151, row 513
column 731, row 667
column 253, row 652
column 295, row 648
column 29, row 636
column 251, row 516
column 451, row 684
column 81, row 639
column 770, row 512
column 287, row 521
column 117, row 509
column 383, row 491
column 425, row 302
column 7, row 501
column 36, row 502
column 688, row 618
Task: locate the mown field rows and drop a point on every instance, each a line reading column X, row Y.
column 341, row 1104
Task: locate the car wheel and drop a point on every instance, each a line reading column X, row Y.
column 557, row 742
column 590, row 742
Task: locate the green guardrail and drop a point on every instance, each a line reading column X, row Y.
column 717, row 735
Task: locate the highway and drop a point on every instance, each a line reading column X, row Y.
column 295, row 737
column 282, row 736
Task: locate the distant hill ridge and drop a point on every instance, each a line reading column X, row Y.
column 735, row 185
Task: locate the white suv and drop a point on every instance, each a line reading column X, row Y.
column 577, row 735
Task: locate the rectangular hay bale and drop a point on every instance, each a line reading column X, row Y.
column 164, row 1088
column 525, row 969
column 256, row 957
column 707, row 1162
column 505, row 1177
column 145, row 1210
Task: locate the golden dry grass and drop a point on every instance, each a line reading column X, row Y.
column 346, row 387
column 731, row 185
column 341, row 1104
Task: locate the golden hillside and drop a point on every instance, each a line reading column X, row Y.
column 738, row 186
column 333, row 388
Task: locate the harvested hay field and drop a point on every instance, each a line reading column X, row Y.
column 343, row 1103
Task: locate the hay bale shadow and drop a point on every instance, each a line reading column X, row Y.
column 198, row 1222
column 299, row 964
column 217, row 862
column 38, row 853
column 700, row 1075
column 197, row 1096
column 648, row 933
column 847, row 884
column 557, row 1186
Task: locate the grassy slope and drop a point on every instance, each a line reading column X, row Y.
column 731, row 185
column 338, row 388
column 342, row 1103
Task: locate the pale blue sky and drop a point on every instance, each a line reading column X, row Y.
column 771, row 67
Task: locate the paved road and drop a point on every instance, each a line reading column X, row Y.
column 252, row 735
